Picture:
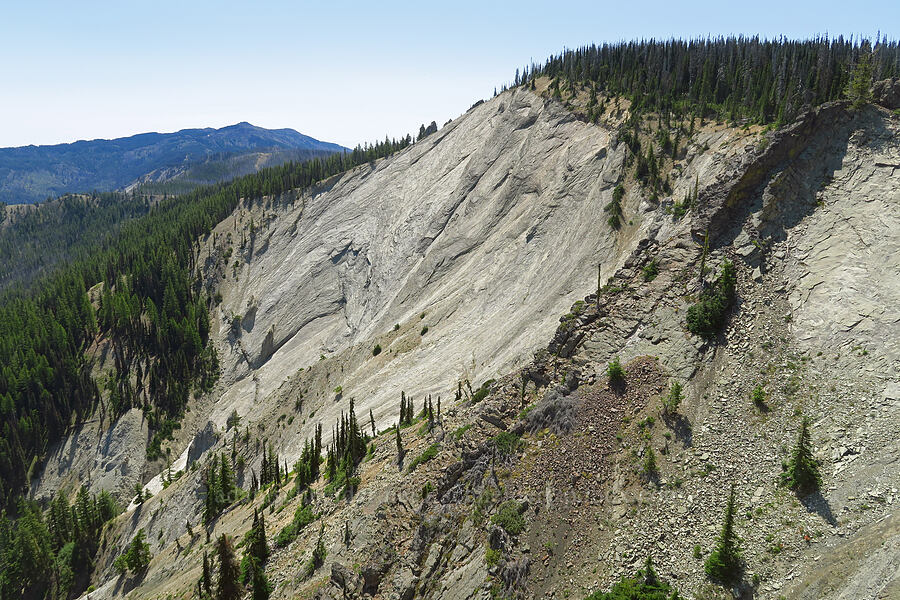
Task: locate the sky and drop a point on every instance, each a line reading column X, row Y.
column 343, row 72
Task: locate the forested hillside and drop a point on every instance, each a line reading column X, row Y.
column 34, row 239
column 155, row 315
column 764, row 81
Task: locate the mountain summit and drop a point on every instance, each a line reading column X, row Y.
column 194, row 156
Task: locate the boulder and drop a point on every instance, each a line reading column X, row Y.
column 887, row 93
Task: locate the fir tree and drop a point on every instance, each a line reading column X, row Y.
column 259, row 582
column 206, row 579
column 859, row 90
column 228, row 586
column 802, row 473
column 724, row 563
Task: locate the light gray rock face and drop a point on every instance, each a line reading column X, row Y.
column 491, row 227
column 110, row 460
column 844, row 259
column 203, row 440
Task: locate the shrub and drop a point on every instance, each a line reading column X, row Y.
column 376, row 350
column 615, row 372
column 429, row 453
column 482, row 392
column 645, row 585
column 424, row 330
column 651, row 270
column 491, row 557
column 507, row 442
column 706, row 317
column 758, row 395
column 303, row 516
column 509, row 517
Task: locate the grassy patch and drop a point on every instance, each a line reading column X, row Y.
column 429, row 453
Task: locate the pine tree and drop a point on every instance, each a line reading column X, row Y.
column 258, row 580
column 724, row 563
column 859, row 90
column 319, row 553
column 228, row 586
column 206, row 579
column 802, row 473
column 259, row 547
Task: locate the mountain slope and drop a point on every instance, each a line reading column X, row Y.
column 33, row 173
column 486, row 232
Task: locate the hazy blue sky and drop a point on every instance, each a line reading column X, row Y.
column 340, row 71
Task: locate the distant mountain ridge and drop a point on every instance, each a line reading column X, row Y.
column 33, row 173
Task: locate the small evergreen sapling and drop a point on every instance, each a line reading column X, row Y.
column 802, row 473
column 615, row 372
column 672, row 400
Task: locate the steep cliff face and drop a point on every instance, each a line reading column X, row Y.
column 487, row 232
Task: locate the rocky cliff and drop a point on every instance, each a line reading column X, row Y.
column 483, row 252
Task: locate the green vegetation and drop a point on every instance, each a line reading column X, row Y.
column 429, row 453
column 407, row 410
column 228, row 586
column 303, row 516
column 376, row 350
column 66, row 229
column 758, row 396
column 651, row 270
column 672, row 400
column 507, row 442
column 318, row 555
column 648, row 467
column 802, row 472
column 151, row 310
column 461, row 431
column 707, row 316
column 482, row 392
column 491, row 557
column 52, row 554
column 615, row 372
column 136, row 557
column 859, row 89
column 645, row 585
column 724, row 562
column 509, row 517
column 348, row 449
column 765, row 81
column 614, row 208
column 221, row 489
